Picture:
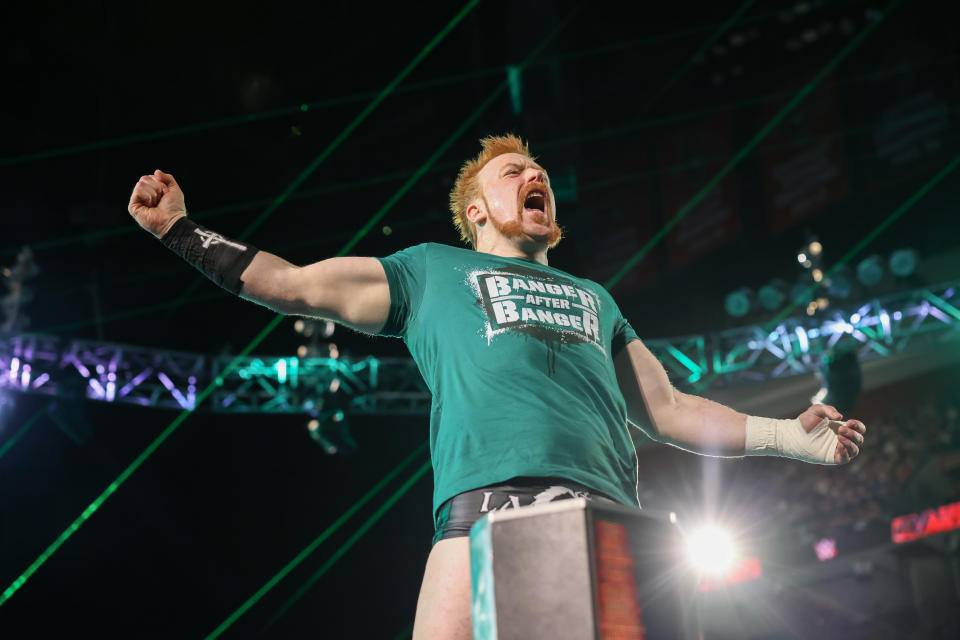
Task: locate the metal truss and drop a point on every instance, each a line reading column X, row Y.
column 882, row 327
column 151, row 377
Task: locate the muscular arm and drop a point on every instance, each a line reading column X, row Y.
column 709, row 428
column 670, row 416
column 351, row 291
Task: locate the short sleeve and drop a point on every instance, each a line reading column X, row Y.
column 623, row 333
column 406, row 277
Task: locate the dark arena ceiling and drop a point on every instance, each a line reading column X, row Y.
column 781, row 120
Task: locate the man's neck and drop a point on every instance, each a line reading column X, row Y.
column 528, row 251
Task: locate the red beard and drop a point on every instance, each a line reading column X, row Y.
column 514, row 228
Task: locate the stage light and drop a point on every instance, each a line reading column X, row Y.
column 737, row 303
column 825, row 548
column 870, row 271
column 772, row 295
column 711, row 550
column 817, row 275
column 308, row 328
column 801, row 257
column 327, row 327
column 903, row 262
column 815, row 248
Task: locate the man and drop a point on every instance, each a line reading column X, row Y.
column 534, row 372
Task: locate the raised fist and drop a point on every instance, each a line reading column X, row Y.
column 157, row 202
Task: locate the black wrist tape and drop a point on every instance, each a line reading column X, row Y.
column 220, row 259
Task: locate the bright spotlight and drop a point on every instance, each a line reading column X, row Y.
column 711, row 550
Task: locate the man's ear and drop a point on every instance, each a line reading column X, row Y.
column 476, row 214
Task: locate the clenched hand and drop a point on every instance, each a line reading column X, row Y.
column 157, row 202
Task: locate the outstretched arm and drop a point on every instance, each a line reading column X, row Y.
column 351, row 291
column 709, row 428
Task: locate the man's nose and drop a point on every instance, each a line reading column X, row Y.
column 535, row 175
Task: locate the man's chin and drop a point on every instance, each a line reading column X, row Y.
column 548, row 235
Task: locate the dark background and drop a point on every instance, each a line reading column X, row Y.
column 610, row 105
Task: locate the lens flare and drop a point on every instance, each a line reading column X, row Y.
column 711, row 550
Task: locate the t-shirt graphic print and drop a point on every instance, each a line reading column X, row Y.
column 519, row 359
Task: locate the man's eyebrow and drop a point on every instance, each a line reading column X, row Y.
column 517, row 165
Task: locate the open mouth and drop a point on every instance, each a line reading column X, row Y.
column 535, row 200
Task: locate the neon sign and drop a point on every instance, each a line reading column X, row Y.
column 926, row 523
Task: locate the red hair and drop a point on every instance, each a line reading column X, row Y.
column 467, row 187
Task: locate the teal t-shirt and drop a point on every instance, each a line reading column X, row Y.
column 519, row 359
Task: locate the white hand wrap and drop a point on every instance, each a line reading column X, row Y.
column 787, row 438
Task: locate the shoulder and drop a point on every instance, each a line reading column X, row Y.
column 434, row 249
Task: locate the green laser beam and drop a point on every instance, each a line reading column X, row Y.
column 849, row 255
column 131, row 468
column 130, row 277
column 293, row 186
column 365, row 229
column 186, row 295
column 405, row 634
column 113, row 486
column 8, row 593
column 709, row 42
column 176, row 270
column 420, row 172
column 372, row 520
column 606, row 132
column 335, row 143
column 342, row 550
column 211, row 213
column 208, row 125
column 748, row 148
column 877, row 230
column 32, row 420
column 310, row 548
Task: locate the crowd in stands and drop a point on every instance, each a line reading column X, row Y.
column 899, row 471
